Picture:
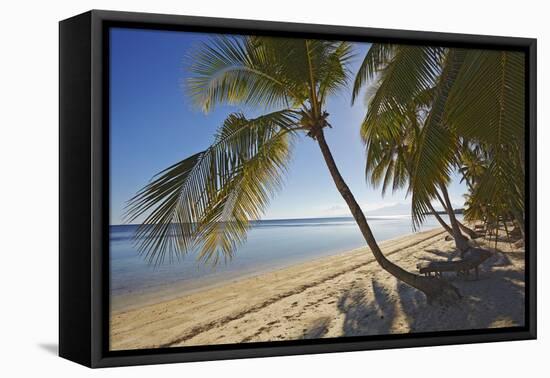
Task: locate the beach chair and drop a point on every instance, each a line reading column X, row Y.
column 470, row 262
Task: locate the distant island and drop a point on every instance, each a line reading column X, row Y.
column 405, row 209
column 456, row 211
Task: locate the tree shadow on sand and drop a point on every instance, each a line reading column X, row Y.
column 495, row 300
column 318, row 328
column 365, row 312
column 364, row 316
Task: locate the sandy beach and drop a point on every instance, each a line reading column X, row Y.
column 343, row 295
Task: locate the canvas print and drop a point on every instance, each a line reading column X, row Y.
column 267, row 189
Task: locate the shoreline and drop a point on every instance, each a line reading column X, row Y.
column 165, row 292
column 341, row 295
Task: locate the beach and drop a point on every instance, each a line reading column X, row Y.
column 346, row 294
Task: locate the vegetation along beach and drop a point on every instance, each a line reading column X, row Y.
column 270, row 189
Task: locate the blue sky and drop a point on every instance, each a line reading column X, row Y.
column 154, row 125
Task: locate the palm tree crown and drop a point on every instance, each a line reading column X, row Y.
column 472, row 104
column 208, row 200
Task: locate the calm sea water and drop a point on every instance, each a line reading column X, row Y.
column 271, row 244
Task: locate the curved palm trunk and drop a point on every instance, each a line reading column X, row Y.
column 436, row 215
column 433, row 288
column 519, row 222
column 467, row 230
column 460, row 240
column 440, row 220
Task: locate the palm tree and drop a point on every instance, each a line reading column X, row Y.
column 477, row 95
column 390, row 150
column 409, row 83
column 208, row 199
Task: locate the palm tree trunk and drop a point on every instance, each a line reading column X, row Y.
column 468, row 231
column 435, row 214
column 434, row 289
column 440, row 220
column 520, row 222
column 460, row 240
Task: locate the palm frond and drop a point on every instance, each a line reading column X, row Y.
column 488, row 102
column 388, row 158
column 207, row 200
column 377, row 57
column 238, row 70
column 488, row 106
column 390, row 138
column 334, row 72
column 436, row 152
column 411, row 70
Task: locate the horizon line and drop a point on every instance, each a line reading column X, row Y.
column 286, row 219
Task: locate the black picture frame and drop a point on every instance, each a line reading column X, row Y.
column 84, row 189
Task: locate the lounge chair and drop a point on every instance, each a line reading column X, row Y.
column 470, row 262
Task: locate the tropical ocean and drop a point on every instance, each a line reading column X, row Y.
column 270, row 244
